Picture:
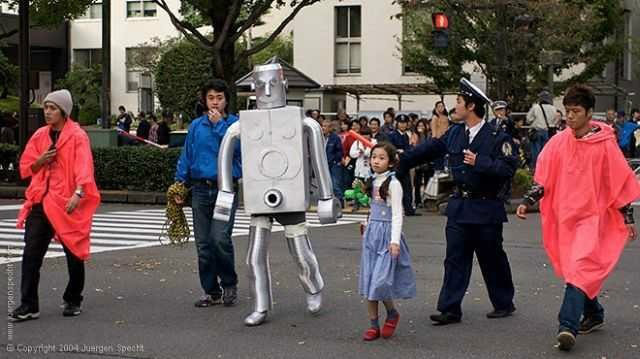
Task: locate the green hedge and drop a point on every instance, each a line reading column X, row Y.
column 134, row 168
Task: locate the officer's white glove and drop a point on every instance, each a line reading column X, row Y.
column 329, row 210
column 224, row 203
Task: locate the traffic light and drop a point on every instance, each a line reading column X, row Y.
column 440, row 31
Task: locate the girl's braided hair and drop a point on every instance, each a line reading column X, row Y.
column 392, row 153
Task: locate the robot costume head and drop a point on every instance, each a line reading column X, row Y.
column 270, row 86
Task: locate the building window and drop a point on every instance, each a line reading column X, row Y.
column 87, row 57
column 94, row 11
column 141, row 8
column 133, row 55
column 348, row 44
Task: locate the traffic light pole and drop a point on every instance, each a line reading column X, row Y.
column 25, row 64
column 106, row 64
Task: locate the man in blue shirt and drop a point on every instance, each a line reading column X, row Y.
column 626, row 139
column 197, row 167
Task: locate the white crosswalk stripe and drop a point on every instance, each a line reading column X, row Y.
column 119, row 230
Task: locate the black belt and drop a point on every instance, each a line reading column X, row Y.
column 475, row 195
column 212, row 183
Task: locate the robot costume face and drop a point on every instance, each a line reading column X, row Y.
column 270, row 86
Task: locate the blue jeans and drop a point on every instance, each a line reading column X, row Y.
column 213, row 241
column 541, row 138
column 337, row 175
column 575, row 305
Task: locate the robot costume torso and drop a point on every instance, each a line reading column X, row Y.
column 278, row 147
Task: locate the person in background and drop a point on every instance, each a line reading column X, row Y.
column 400, row 139
column 143, row 127
column 153, row 129
column 388, row 127
column 124, row 119
column 423, row 172
column 376, row 133
column 625, row 131
column 439, row 120
column 333, row 148
column 163, row 128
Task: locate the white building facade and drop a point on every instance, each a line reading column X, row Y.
column 356, row 43
column 133, row 23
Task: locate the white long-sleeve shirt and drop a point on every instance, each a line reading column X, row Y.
column 394, row 199
column 361, row 154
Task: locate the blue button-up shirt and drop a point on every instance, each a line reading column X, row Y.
column 199, row 157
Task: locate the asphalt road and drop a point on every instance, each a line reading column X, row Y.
column 139, row 304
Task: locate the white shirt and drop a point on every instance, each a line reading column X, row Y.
column 394, row 199
column 473, row 131
column 361, row 154
column 535, row 118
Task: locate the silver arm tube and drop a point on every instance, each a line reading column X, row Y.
column 319, row 158
column 225, row 158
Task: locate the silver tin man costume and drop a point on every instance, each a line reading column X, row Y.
column 278, row 145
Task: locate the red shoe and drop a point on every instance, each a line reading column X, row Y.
column 390, row 326
column 371, row 334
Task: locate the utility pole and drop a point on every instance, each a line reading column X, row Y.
column 106, row 64
column 25, row 64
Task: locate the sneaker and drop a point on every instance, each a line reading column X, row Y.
column 590, row 324
column 566, row 339
column 208, row 300
column 229, row 296
column 371, row 334
column 71, row 310
column 22, row 313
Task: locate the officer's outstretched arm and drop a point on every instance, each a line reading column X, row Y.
column 503, row 162
column 428, row 150
column 328, row 206
column 224, row 201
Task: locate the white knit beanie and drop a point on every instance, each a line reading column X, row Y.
column 62, row 99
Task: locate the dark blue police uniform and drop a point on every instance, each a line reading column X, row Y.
column 475, row 213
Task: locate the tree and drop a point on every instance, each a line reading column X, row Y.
column 85, row 84
column 47, row 13
column 512, row 42
column 180, row 68
column 230, row 19
column 8, row 76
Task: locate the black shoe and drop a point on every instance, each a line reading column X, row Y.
column 590, row 324
column 71, row 310
column 501, row 313
column 209, row 300
column 444, row 319
column 566, row 339
column 22, row 313
column 229, row 296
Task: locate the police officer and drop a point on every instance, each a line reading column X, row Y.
column 483, row 161
column 502, row 121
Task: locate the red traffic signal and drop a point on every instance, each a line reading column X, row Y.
column 440, row 21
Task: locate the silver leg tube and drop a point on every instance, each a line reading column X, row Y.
column 308, row 270
column 259, row 271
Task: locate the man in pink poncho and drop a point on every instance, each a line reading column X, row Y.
column 585, row 186
column 59, row 202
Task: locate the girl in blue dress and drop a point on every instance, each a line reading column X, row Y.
column 385, row 266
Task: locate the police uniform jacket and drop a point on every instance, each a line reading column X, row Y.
column 480, row 188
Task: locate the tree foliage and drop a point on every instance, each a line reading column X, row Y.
column 8, row 76
column 226, row 22
column 180, row 68
column 85, row 84
column 512, row 41
column 47, row 13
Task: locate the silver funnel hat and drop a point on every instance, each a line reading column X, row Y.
column 270, row 86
